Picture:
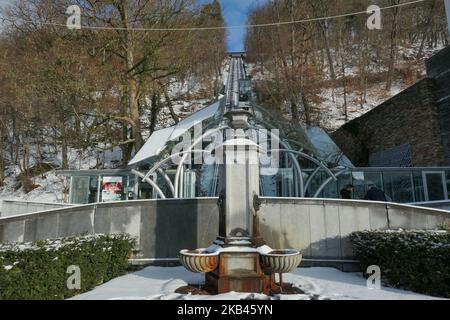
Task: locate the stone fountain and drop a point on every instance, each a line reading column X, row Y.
column 239, row 260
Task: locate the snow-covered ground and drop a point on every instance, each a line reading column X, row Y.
column 156, row 283
column 50, row 189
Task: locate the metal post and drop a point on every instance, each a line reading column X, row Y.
column 99, row 188
column 71, row 190
column 136, row 187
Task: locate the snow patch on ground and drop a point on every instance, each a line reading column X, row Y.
column 156, row 283
column 50, row 189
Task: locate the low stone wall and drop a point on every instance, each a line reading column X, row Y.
column 15, row 207
column 320, row 227
column 162, row 228
column 441, row 205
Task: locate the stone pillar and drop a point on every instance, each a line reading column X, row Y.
column 238, row 187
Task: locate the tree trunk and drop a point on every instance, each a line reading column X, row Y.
column 127, row 149
column 133, row 104
column 307, row 109
column 427, row 29
column 154, row 112
column 15, row 145
column 2, row 160
column 170, row 106
column 324, row 27
column 393, row 48
column 64, row 148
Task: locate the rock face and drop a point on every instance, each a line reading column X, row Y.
column 418, row 117
column 438, row 67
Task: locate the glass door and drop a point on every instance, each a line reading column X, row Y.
column 435, row 185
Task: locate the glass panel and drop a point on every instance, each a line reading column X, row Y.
column 268, row 186
column 93, row 189
column 331, row 190
column 418, row 187
column 448, row 184
column 362, row 181
column 79, row 190
column 343, row 181
column 359, row 184
column 315, row 184
column 435, row 186
column 285, row 182
column 398, row 186
column 189, row 184
column 208, row 180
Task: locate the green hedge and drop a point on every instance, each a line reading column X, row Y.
column 39, row 270
column 413, row 260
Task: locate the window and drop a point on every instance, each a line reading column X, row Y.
column 435, row 185
column 398, row 186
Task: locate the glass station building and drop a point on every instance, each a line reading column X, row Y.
column 403, row 185
column 310, row 163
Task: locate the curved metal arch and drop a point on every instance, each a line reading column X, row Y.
column 317, row 162
column 157, row 167
column 190, row 149
column 307, row 156
column 316, row 195
column 151, row 182
column 167, row 179
column 311, row 177
column 293, row 158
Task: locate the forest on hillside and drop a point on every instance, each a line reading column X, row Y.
column 82, row 95
column 75, row 90
column 303, row 68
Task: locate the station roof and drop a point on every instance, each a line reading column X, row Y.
column 159, row 139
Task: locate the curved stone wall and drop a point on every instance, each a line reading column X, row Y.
column 318, row 227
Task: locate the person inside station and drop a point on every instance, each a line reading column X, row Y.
column 347, row 192
column 375, row 194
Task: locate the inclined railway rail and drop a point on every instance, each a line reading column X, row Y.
column 236, row 73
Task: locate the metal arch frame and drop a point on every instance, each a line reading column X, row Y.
column 307, row 156
column 311, row 177
column 157, row 167
column 167, row 179
column 316, row 195
column 151, row 182
column 160, row 163
column 188, row 151
column 317, row 162
column 293, row 158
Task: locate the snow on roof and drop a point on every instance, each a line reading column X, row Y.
column 159, row 139
column 194, row 119
column 154, row 145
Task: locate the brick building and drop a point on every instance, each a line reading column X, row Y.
column 410, row 129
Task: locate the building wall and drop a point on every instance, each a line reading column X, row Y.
column 409, row 118
column 438, row 67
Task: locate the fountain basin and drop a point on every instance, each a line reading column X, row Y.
column 199, row 261
column 281, row 261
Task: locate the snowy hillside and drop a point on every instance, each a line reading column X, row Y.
column 186, row 98
column 329, row 103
